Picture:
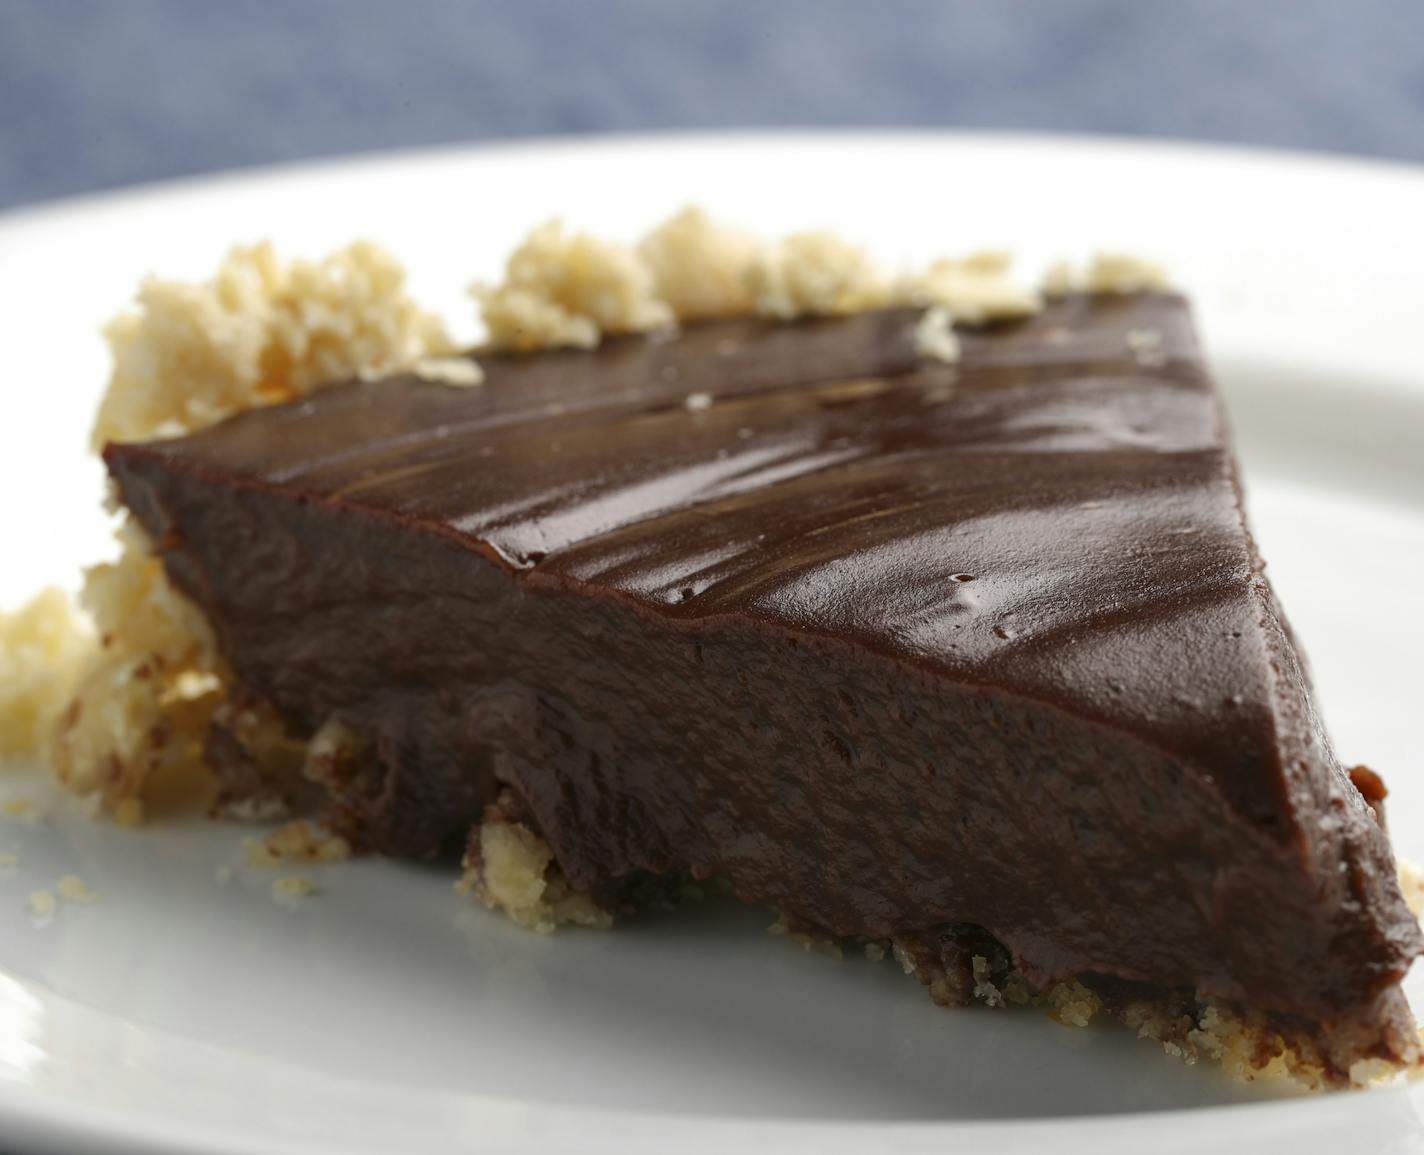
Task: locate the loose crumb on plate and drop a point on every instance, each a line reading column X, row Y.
column 129, row 812
column 297, row 841
column 72, row 888
column 43, row 903
column 292, row 889
column 21, row 810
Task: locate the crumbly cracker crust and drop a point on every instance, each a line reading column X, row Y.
column 1107, row 272
column 816, row 274
column 140, row 696
column 974, row 290
column 43, row 647
column 511, row 869
column 514, row 871
column 565, row 289
column 699, row 267
column 145, row 692
column 261, row 331
column 568, row 289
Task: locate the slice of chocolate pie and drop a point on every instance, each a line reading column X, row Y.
column 973, row 661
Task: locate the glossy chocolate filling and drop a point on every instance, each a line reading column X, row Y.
column 890, row 645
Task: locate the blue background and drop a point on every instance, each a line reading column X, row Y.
column 100, row 93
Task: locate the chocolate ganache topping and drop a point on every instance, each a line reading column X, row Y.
column 888, row 644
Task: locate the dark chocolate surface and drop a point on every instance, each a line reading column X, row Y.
column 889, row 644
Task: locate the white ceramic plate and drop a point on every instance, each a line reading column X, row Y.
column 183, row 1013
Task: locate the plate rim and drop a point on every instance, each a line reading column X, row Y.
column 46, row 1118
column 1115, row 145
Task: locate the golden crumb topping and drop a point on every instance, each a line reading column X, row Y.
column 816, row 273
column 1106, row 273
column 261, row 331
column 974, row 290
column 568, row 289
column 699, row 267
